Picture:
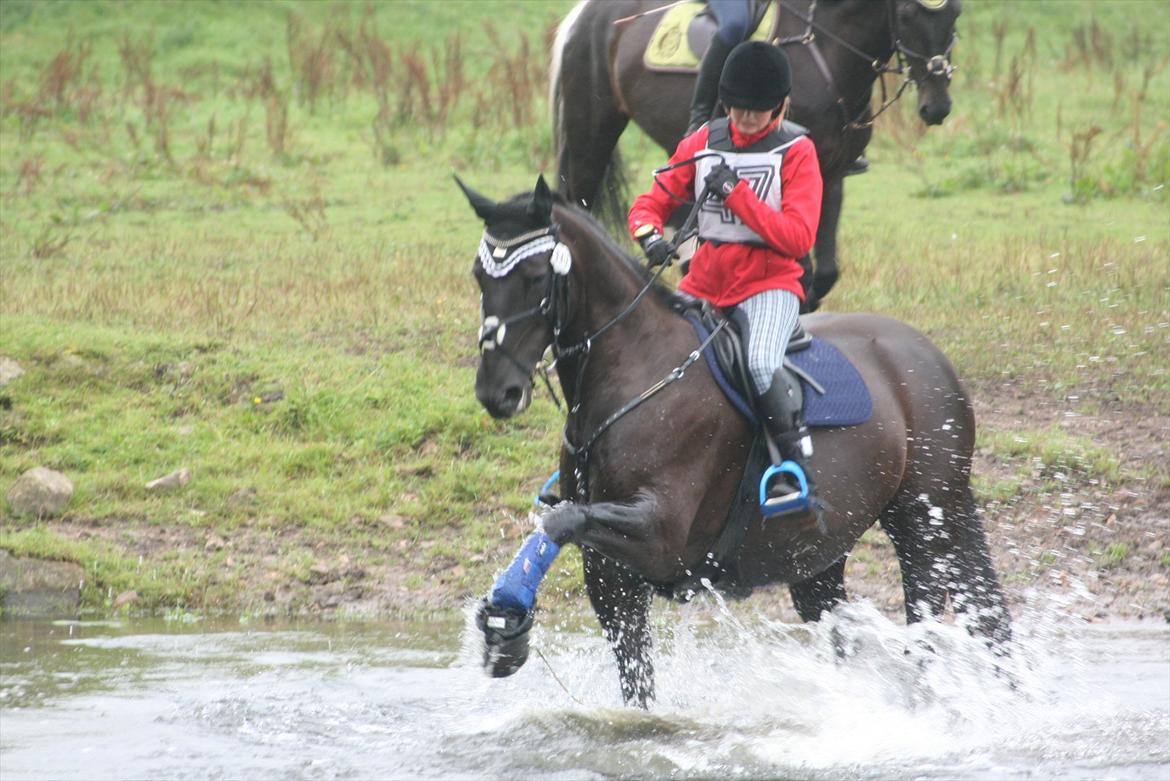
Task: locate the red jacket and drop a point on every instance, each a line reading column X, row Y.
column 729, row 273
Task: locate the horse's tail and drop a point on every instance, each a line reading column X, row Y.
column 609, row 205
column 556, row 88
column 556, row 100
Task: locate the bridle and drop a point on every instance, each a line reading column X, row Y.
column 499, row 257
column 936, row 65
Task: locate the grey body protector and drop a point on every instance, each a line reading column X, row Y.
column 759, row 165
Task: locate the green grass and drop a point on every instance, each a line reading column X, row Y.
column 1115, row 555
column 1054, row 455
column 226, row 246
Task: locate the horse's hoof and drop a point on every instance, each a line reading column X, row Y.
column 505, row 638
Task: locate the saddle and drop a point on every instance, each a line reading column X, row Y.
column 729, row 353
column 833, row 394
column 685, row 31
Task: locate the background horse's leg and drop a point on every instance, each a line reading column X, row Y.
column 820, row 593
column 977, row 591
column 825, row 253
column 621, row 600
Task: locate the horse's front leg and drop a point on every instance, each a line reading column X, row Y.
column 621, row 600
column 632, row 533
column 628, row 532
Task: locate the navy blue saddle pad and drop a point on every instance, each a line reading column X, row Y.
column 845, row 402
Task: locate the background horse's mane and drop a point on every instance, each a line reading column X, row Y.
column 597, row 233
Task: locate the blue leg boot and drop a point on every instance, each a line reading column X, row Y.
column 505, row 615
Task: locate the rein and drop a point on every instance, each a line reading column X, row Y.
column 582, row 453
column 936, row 65
column 499, row 257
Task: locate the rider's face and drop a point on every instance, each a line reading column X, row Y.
column 749, row 122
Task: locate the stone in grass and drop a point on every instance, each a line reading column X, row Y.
column 40, row 491
column 173, row 480
column 9, row 370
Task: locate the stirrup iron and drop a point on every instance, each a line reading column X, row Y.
column 798, row 501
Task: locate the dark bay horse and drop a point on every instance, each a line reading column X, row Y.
column 837, row 48
column 650, row 500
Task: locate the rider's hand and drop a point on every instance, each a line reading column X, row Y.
column 657, row 249
column 721, row 181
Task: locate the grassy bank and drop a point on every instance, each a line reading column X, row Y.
column 230, row 242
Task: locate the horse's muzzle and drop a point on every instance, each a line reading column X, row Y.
column 507, row 402
column 505, row 639
column 934, row 113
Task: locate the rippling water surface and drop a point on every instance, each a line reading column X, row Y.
column 739, row 697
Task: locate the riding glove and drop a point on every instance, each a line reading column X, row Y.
column 721, row 181
column 656, row 248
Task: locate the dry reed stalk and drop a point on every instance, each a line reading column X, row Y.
column 137, row 57
column 63, row 72
column 30, row 173
column 1079, row 150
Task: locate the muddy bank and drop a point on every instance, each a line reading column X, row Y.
column 1100, row 549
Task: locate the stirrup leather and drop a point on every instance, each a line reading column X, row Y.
column 797, row 501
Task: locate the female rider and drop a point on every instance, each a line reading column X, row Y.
column 765, row 184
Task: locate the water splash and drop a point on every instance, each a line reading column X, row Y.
column 856, row 695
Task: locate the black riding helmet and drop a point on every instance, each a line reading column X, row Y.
column 756, row 77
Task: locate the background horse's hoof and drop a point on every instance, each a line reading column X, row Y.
column 505, row 638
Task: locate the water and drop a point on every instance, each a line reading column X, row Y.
column 739, row 697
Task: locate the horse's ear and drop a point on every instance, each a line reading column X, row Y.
column 484, row 207
column 542, row 200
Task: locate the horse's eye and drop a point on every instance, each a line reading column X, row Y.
column 532, row 280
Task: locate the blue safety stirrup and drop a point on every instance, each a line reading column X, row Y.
column 799, row 503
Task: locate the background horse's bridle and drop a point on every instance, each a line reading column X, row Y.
column 936, row 65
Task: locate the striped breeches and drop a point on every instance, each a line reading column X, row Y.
column 771, row 316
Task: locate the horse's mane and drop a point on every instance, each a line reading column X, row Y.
column 598, row 234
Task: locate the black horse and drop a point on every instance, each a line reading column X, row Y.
column 837, row 48
column 650, row 498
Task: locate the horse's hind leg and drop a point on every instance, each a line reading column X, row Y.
column 621, row 600
column 820, row 593
column 976, row 590
column 942, row 550
column 825, row 252
column 923, row 549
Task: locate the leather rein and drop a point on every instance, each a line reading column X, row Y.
column 553, row 308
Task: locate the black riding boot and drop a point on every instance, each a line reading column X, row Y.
column 707, row 83
column 788, row 440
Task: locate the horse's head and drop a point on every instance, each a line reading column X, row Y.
column 924, row 34
column 517, row 266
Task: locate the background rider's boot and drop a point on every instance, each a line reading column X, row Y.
column 707, row 84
